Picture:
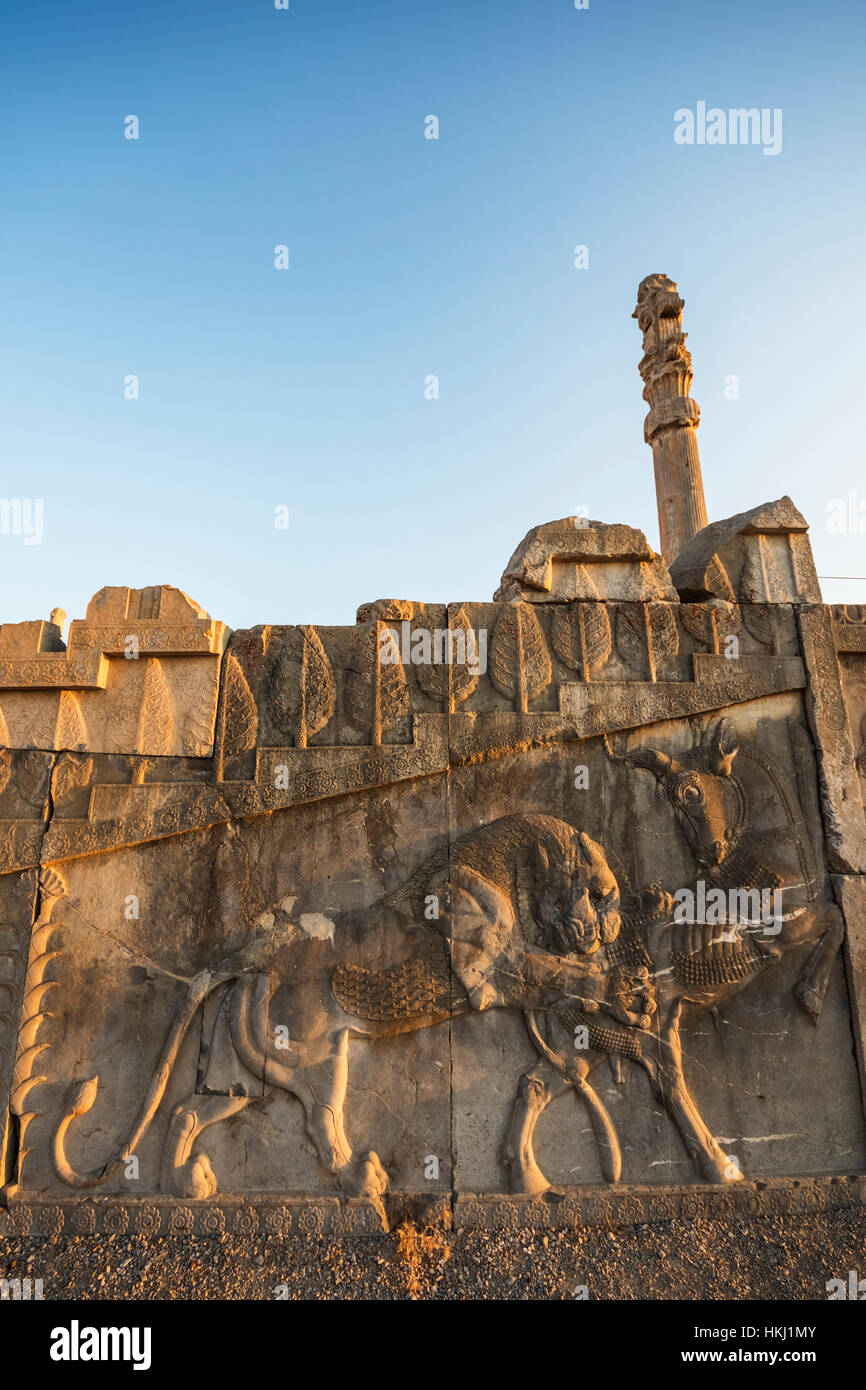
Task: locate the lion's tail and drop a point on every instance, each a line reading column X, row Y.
column 82, row 1094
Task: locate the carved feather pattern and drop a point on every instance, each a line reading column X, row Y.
column 752, row 579
column 647, row 632
column 519, row 664
column 699, row 622
column 305, row 696
column 376, row 693
column 454, row 681
column 580, row 637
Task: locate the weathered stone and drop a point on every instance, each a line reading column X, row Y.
column 20, row 641
column 759, row 556
column 336, row 861
column 844, row 823
column 388, row 610
column 127, row 683
column 850, row 890
column 312, row 927
column 575, row 558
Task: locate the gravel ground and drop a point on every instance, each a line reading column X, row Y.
column 776, row 1258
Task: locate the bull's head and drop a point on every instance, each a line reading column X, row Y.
column 706, row 797
column 574, row 895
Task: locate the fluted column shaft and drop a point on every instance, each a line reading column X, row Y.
column 666, row 368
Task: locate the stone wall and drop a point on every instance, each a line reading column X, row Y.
column 300, row 923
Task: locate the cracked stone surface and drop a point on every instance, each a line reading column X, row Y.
column 293, row 910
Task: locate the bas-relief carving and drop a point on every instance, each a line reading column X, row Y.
column 246, row 982
column 740, row 820
column 534, row 922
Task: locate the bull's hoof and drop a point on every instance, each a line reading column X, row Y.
column 372, row 1178
column 367, row 1178
column 195, row 1178
column 720, row 1169
column 809, row 999
column 525, row 1179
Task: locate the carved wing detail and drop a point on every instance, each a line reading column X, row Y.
column 760, row 621
column 708, row 623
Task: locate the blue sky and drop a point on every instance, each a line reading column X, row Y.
column 409, row 257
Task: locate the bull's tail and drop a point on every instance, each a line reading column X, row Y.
column 83, row 1093
column 609, row 1152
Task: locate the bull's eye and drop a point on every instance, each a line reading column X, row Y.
column 689, row 792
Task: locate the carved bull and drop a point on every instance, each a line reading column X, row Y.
column 698, row 966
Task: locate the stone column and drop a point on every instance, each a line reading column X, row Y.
column 666, row 368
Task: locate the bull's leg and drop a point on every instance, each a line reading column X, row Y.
column 321, row 1089
column 670, row 1089
column 609, row 1153
column 184, row 1173
column 811, row 987
column 536, row 1089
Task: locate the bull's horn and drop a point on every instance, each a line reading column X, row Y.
column 723, row 747
column 611, row 753
column 654, row 760
column 650, row 758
